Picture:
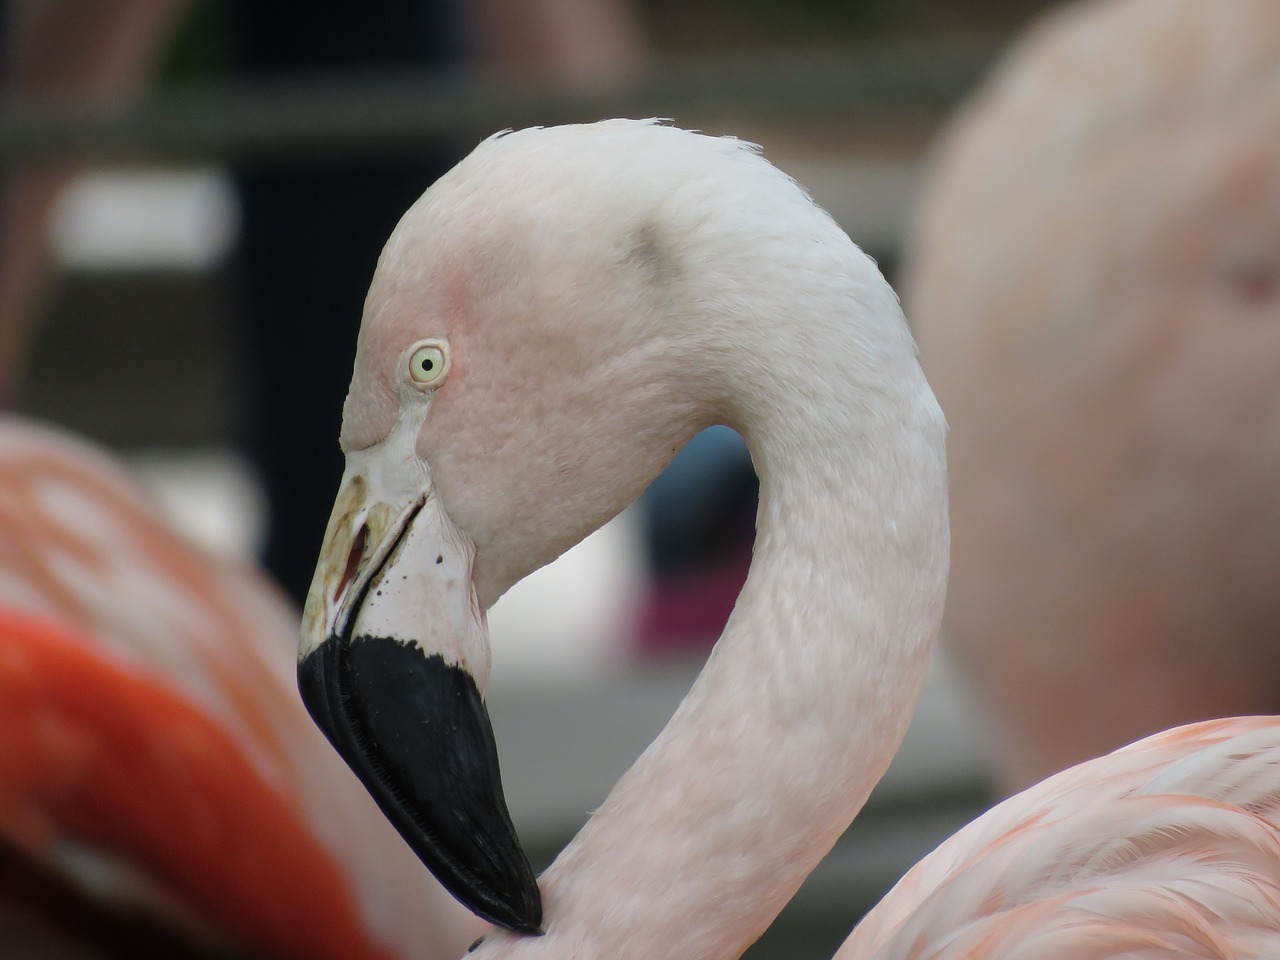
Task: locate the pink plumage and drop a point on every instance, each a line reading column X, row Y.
column 1167, row 848
column 156, row 755
column 657, row 281
column 1095, row 282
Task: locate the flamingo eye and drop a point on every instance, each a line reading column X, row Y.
column 428, row 363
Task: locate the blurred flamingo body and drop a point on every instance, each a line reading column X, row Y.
column 154, row 756
column 1095, row 282
column 1166, row 848
column 99, row 758
column 658, row 281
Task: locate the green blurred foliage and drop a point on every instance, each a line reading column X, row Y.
column 195, row 49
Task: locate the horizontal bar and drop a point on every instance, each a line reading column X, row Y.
column 234, row 121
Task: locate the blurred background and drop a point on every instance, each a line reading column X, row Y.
column 195, row 197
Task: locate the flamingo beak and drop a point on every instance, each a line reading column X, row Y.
column 393, row 659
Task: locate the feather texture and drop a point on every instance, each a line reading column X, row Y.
column 155, row 751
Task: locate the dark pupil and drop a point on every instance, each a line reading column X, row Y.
column 427, row 364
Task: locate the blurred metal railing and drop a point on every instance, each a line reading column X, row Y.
column 237, row 121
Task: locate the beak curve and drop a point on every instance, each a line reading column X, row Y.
column 393, row 658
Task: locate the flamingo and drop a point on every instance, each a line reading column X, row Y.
column 159, row 777
column 545, row 327
column 1095, row 281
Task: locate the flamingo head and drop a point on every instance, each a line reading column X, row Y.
column 528, row 362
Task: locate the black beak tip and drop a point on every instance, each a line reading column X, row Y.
column 315, row 696
column 414, row 729
column 524, row 917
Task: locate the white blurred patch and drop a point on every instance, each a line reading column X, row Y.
column 212, row 495
column 130, row 219
column 570, row 620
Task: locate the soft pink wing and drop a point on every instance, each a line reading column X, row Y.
column 82, row 545
column 1166, row 848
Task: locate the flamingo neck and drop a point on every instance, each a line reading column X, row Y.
column 802, row 703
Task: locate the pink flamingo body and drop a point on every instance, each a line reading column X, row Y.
column 547, row 325
column 1168, row 847
column 1095, row 282
column 153, row 752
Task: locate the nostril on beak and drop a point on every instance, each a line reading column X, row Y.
column 353, row 562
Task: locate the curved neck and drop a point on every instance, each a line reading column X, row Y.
column 802, row 703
